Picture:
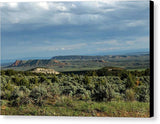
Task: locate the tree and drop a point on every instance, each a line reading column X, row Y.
column 130, row 81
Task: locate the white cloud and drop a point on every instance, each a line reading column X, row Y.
column 2, row 5
column 43, row 5
column 135, row 23
column 96, row 13
column 62, row 8
column 81, row 13
column 135, row 43
column 110, row 48
column 56, row 47
column 109, row 42
column 130, row 42
column 74, row 6
column 13, row 5
column 142, row 41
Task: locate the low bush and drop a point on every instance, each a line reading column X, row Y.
column 20, row 89
column 142, row 93
column 103, row 92
column 16, row 93
column 5, row 94
column 64, row 101
column 55, row 89
column 38, row 95
column 130, row 95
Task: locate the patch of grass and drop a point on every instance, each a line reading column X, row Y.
column 138, row 69
column 83, row 108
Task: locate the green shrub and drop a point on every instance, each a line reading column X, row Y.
column 82, row 94
column 20, row 96
column 16, row 93
column 15, row 102
column 24, row 82
column 2, row 72
column 5, row 94
column 33, row 80
column 142, row 93
column 38, row 94
column 10, row 72
column 67, row 90
column 80, row 90
column 9, row 86
column 103, row 93
column 130, row 95
column 87, row 80
column 64, row 101
column 54, row 79
column 79, row 87
column 67, row 87
column 25, row 90
column 23, row 100
column 119, row 97
column 130, row 81
column 3, row 80
column 48, row 81
column 42, row 79
column 55, row 90
column 16, row 80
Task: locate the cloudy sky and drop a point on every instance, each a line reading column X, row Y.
column 48, row 29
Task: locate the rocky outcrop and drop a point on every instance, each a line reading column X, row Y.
column 45, row 71
column 17, row 63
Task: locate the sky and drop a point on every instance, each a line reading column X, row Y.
column 46, row 29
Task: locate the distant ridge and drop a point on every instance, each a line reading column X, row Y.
column 96, row 57
column 73, row 60
column 72, row 57
column 37, row 63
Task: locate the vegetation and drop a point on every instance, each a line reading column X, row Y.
column 96, row 93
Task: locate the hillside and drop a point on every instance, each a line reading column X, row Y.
column 37, row 63
column 81, row 63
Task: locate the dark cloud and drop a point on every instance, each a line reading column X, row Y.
column 62, row 26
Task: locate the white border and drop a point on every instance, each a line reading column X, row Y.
column 64, row 0
column 95, row 120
